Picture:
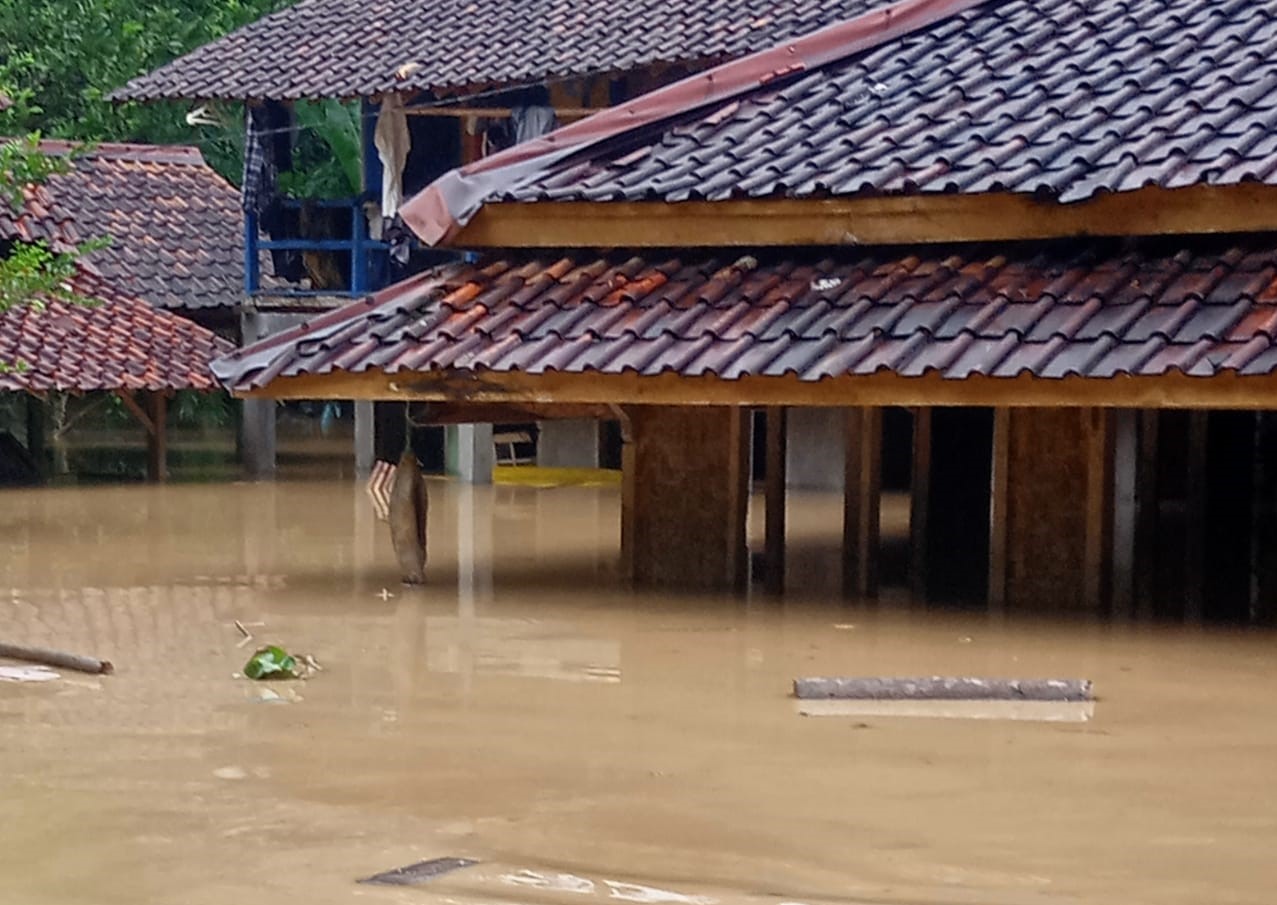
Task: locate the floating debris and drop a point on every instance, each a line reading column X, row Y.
column 420, row 872
column 27, row 674
column 942, row 688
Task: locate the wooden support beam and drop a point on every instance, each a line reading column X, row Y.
column 1195, row 518
column 998, row 515
column 919, row 503
column 862, row 503
column 1180, row 391
column 1097, row 557
column 774, row 510
column 136, row 410
column 157, row 438
column 35, row 433
column 457, row 112
column 877, row 220
column 1147, row 514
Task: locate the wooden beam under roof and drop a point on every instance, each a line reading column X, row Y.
column 1222, row 391
column 879, row 220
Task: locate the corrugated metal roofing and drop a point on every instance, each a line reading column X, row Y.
column 359, row 48
column 175, row 226
column 120, row 343
column 1093, row 309
column 1066, row 98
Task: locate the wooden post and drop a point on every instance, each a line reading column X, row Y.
column 998, row 515
column 1195, row 518
column 862, row 502
column 157, row 438
column 1125, row 479
column 919, row 503
column 1147, row 507
column 1099, row 509
column 774, row 511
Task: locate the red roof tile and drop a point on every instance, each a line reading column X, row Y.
column 121, row 343
column 1087, row 308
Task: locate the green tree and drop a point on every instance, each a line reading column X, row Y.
column 61, row 59
column 29, row 271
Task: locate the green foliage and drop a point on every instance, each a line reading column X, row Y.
column 22, row 165
column 61, row 58
column 326, row 159
column 272, row 663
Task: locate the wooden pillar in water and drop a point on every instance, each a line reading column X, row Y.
column 774, row 510
column 862, row 502
column 684, row 497
column 919, row 503
column 1195, row 517
column 1147, row 513
column 35, row 433
column 1125, row 424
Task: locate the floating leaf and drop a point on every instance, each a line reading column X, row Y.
column 271, row 662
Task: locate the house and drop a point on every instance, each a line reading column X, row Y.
column 121, row 332
column 1047, row 230
column 452, row 82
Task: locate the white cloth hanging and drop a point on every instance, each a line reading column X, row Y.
column 393, row 143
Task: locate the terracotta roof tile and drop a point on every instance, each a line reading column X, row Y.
column 1052, row 309
column 175, row 226
column 120, row 343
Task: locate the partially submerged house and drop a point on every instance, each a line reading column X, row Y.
column 437, row 86
column 104, row 337
column 1048, row 230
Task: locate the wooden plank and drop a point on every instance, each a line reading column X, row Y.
column 1195, row 518
column 1223, row 391
column 880, row 220
column 998, row 510
column 774, row 510
column 739, row 481
column 157, row 438
column 851, row 503
column 1097, row 557
column 919, row 503
column 563, row 113
column 1147, row 511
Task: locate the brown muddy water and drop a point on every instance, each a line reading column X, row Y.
column 582, row 742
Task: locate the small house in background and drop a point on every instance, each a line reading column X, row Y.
column 106, row 338
column 400, row 93
column 1045, row 231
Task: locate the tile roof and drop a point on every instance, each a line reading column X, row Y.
column 176, row 226
column 1065, row 98
column 359, row 48
column 121, row 343
column 1069, row 307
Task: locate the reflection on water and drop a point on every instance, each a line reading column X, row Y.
column 523, row 710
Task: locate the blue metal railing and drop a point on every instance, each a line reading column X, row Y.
column 362, row 250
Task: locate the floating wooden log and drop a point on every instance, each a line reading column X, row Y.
column 941, row 688
column 56, row 658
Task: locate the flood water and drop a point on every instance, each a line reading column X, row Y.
column 582, row 742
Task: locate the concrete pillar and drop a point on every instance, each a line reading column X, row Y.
column 365, row 437
column 571, row 443
column 684, row 497
column 257, row 425
column 817, row 444
column 470, row 454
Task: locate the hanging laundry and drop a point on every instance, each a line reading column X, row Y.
column 393, row 143
column 257, row 192
column 532, row 122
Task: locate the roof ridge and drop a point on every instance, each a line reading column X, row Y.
column 141, row 152
column 452, row 200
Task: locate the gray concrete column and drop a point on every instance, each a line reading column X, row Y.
column 365, row 438
column 816, row 448
column 469, row 452
column 568, row 444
